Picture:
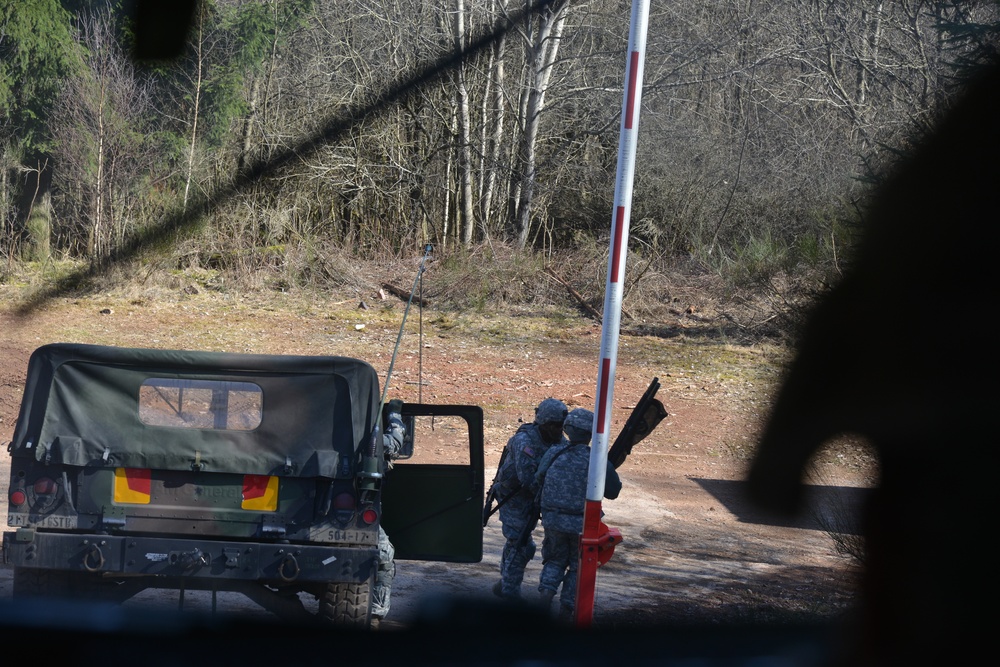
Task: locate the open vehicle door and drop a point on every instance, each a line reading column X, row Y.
column 432, row 501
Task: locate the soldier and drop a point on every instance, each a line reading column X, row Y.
column 392, row 443
column 562, row 476
column 516, row 492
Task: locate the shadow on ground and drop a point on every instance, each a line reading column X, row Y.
column 826, row 507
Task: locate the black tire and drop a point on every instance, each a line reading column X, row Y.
column 347, row 604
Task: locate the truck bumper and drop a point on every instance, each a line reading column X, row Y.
column 167, row 557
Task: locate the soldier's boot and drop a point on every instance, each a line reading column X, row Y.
column 545, row 599
column 566, row 615
column 498, row 590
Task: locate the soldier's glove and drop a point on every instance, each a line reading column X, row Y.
column 395, row 406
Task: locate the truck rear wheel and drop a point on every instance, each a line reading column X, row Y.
column 347, row 604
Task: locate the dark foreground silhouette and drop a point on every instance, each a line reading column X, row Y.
column 902, row 351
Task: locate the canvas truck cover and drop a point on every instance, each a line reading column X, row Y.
column 89, row 405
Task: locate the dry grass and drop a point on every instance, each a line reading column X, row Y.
column 662, row 297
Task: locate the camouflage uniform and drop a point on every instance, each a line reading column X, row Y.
column 519, row 514
column 383, row 576
column 392, row 442
column 563, row 475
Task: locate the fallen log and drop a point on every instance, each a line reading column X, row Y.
column 404, row 294
column 576, row 295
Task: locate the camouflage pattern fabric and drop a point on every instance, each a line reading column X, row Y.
column 519, row 514
column 563, row 475
column 564, row 488
column 392, row 443
column 560, row 559
column 383, row 575
column 516, row 553
column 578, row 426
column 550, row 411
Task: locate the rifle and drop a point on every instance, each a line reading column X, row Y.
column 491, row 495
column 648, row 412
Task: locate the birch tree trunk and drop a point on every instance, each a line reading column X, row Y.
column 544, row 50
column 246, row 144
column 197, row 102
column 465, row 212
column 492, row 125
column 97, row 246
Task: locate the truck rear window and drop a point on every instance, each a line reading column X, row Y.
column 204, row 404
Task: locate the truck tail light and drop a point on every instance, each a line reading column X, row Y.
column 18, row 498
column 45, row 487
column 369, row 516
column 344, row 505
column 344, row 501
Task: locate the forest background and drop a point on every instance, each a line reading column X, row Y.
column 288, row 145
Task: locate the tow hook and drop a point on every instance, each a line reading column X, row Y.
column 93, row 559
column 289, row 569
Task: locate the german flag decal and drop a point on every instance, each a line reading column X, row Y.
column 260, row 493
column 132, row 486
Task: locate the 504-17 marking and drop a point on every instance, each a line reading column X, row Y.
column 326, row 533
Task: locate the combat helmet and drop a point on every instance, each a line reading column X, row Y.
column 579, row 425
column 550, row 411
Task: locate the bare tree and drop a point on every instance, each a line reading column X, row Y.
column 543, row 35
column 98, row 132
column 196, row 85
column 466, row 217
column 492, row 120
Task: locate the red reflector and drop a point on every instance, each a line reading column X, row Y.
column 369, row 516
column 133, row 486
column 254, row 486
column 260, row 493
column 18, row 498
column 46, row 486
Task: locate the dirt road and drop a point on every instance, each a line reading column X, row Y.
column 693, row 551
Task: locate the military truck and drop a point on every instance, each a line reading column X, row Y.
column 261, row 474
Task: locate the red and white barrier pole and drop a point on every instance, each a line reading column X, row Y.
column 631, row 100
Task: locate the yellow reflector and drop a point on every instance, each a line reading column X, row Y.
column 260, row 493
column 132, row 486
